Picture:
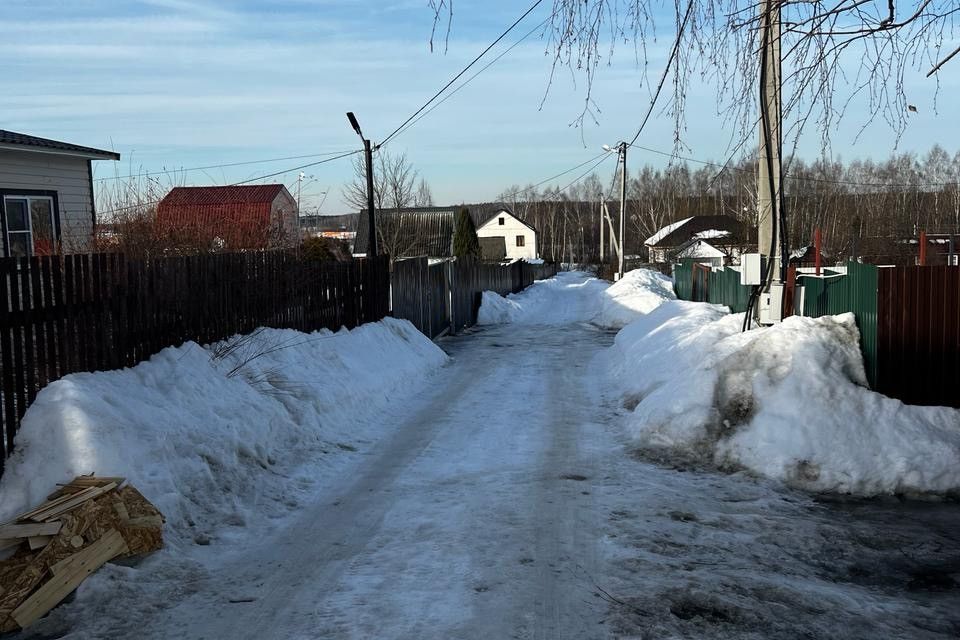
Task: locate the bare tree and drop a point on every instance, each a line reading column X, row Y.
column 833, row 52
column 397, row 185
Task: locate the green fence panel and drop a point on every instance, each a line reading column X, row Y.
column 683, row 281
column 855, row 292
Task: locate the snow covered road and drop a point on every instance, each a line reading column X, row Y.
column 505, row 502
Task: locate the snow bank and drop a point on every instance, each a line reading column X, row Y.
column 637, row 293
column 224, row 436
column 788, row 402
column 568, row 297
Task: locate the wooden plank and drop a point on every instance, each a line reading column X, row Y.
column 45, row 506
column 35, row 570
column 30, row 529
column 79, row 566
column 39, row 542
column 77, row 500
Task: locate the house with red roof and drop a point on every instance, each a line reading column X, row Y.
column 256, row 216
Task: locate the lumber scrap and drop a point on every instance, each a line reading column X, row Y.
column 55, row 512
column 33, row 572
column 84, row 482
column 73, row 570
column 29, row 529
column 43, row 507
column 38, row 542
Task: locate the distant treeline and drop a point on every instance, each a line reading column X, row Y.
column 898, row 197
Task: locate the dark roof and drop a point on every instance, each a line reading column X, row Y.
column 683, row 233
column 23, row 140
column 426, row 231
column 340, row 222
column 493, row 249
column 243, row 194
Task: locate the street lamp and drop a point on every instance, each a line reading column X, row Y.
column 621, row 148
column 371, row 218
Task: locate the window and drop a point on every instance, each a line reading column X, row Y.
column 520, row 241
column 500, row 221
column 30, row 225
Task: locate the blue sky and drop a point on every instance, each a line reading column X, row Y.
column 184, row 83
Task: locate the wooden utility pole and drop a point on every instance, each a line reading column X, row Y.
column 623, row 204
column 768, row 176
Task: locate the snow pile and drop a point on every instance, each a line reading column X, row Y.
column 225, row 437
column 637, row 293
column 568, row 297
column 788, row 402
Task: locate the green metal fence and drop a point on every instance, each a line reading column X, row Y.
column 855, row 292
column 724, row 288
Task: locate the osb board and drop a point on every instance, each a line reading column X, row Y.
column 60, row 547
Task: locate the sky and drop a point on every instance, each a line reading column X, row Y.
column 193, row 83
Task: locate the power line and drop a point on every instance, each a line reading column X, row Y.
column 471, row 78
column 236, row 184
column 552, row 178
column 462, row 71
column 217, row 166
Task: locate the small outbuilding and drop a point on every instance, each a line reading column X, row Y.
column 255, row 216
column 46, row 195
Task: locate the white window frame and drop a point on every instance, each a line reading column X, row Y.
column 29, row 232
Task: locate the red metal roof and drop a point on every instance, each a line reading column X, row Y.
column 243, row 194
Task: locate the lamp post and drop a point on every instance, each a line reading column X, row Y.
column 621, row 148
column 371, row 217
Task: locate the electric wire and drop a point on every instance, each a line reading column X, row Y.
column 462, row 71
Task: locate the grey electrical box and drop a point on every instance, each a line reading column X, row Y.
column 751, row 269
column 771, row 305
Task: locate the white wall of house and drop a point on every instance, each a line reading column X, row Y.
column 520, row 239
column 66, row 176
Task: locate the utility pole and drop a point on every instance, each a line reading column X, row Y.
column 602, row 221
column 371, row 215
column 299, row 187
column 623, row 204
column 769, row 170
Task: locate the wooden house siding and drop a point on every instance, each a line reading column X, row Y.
column 68, row 176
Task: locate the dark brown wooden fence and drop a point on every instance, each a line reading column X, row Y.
column 918, row 334
column 446, row 296
column 65, row 314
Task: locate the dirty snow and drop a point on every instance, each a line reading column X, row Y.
column 788, row 402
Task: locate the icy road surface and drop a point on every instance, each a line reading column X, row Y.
column 504, row 503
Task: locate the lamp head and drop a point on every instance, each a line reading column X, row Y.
column 353, row 122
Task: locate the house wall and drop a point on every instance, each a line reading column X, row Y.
column 509, row 230
column 284, row 213
column 68, row 176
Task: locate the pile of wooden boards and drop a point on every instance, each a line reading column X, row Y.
column 80, row 527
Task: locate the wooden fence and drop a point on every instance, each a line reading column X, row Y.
column 65, row 314
column 446, row 296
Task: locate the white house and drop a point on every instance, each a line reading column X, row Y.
column 496, row 221
column 46, row 195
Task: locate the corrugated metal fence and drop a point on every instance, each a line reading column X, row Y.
column 855, row 292
column 908, row 317
column 919, row 334
column 446, row 296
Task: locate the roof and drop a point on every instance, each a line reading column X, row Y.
column 697, row 248
column 240, row 194
column 493, row 248
column 485, row 212
column 722, row 229
column 34, row 143
column 426, row 231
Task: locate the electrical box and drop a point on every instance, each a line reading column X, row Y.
column 771, row 305
column 751, row 269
